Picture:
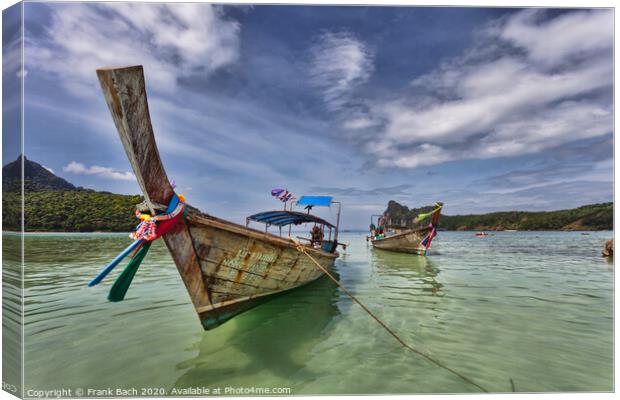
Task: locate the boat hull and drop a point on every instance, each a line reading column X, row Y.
column 241, row 266
column 404, row 242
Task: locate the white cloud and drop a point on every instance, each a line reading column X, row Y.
column 359, row 123
column 532, row 83
column 12, row 56
column 340, row 63
column 423, row 154
column 49, row 169
column 571, row 34
column 170, row 40
column 104, row 172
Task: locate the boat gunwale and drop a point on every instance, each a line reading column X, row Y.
column 407, row 232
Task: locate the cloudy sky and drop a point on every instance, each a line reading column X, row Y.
column 483, row 109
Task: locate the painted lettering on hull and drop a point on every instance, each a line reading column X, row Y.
column 256, row 263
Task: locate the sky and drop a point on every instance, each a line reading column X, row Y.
column 484, row 109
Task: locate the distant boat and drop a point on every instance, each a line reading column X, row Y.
column 510, row 230
column 482, row 234
column 226, row 267
column 414, row 241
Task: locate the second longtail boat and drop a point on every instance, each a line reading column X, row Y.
column 386, row 236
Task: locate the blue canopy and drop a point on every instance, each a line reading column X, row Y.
column 281, row 218
column 315, row 201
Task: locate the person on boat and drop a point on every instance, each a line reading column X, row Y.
column 317, row 236
column 373, row 233
column 378, row 232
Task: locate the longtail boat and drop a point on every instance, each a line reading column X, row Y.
column 415, row 241
column 226, row 267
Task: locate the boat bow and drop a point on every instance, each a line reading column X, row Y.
column 125, row 94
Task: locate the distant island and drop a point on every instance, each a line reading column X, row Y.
column 586, row 218
column 52, row 204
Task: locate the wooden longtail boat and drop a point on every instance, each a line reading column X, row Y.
column 415, row 241
column 227, row 268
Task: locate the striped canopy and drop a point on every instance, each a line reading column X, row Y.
column 281, row 218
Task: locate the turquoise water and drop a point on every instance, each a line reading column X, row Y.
column 534, row 307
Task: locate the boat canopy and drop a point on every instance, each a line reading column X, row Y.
column 282, row 218
column 315, row 201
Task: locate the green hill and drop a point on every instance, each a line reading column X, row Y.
column 53, row 204
column 589, row 217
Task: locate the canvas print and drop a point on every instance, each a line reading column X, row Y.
column 208, row 199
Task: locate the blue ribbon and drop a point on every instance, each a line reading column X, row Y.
column 104, row 272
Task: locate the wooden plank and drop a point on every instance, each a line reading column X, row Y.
column 125, row 94
column 237, row 259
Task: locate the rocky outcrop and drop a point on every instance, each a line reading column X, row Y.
column 399, row 215
column 36, row 177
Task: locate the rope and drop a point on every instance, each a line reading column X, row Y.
column 302, row 249
column 153, row 227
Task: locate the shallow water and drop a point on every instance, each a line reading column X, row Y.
column 534, row 307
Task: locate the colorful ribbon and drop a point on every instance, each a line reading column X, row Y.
column 151, row 228
column 422, row 217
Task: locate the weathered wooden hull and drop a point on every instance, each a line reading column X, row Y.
column 240, row 266
column 404, row 242
column 226, row 268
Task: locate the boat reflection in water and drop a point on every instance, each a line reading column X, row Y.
column 271, row 341
column 420, row 273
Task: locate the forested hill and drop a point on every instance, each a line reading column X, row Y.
column 589, row 217
column 53, row 204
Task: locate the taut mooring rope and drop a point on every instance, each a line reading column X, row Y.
column 302, row 249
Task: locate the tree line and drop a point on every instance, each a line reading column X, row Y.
column 80, row 210
column 589, row 217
